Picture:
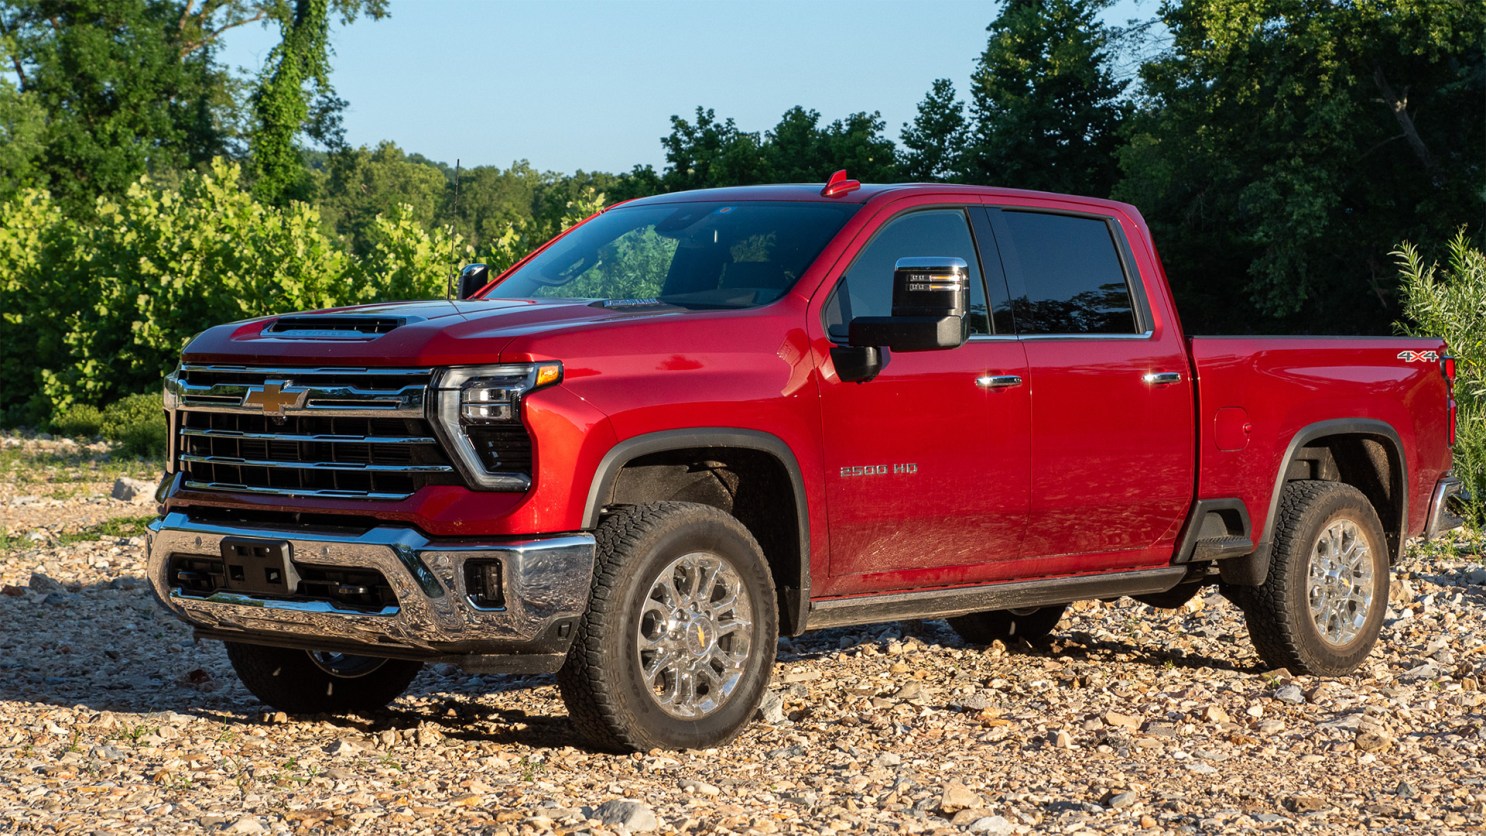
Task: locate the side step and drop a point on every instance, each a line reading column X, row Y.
column 942, row 603
column 1217, row 548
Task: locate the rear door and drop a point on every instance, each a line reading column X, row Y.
column 1111, row 399
column 926, row 465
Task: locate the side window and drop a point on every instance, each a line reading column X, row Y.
column 867, row 287
column 1067, row 275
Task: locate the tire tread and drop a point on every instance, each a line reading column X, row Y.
column 1276, row 625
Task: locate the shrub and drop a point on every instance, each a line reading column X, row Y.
column 79, row 421
column 1452, row 304
column 137, row 424
column 92, row 309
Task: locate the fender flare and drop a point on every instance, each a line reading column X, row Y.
column 794, row 604
column 1253, row 569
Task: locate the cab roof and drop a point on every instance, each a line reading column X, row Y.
column 811, row 193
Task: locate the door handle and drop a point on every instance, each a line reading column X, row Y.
column 998, row 381
column 1162, row 378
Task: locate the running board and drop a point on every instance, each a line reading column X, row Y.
column 942, row 603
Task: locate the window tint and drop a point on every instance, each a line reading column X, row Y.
column 1071, row 278
column 867, row 287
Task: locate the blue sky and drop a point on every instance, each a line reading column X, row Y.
column 584, row 84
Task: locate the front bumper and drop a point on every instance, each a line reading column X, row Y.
column 1444, row 507
column 546, row 582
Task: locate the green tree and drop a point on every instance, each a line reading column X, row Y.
column 95, row 308
column 120, row 90
column 281, row 104
column 795, row 149
column 361, row 184
column 1285, row 147
column 295, row 95
column 932, row 144
column 710, row 153
column 858, row 145
column 1046, row 106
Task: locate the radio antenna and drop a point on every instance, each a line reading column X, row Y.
column 453, row 246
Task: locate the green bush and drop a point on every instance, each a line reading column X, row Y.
column 1452, row 304
column 79, row 421
column 92, row 309
column 137, row 424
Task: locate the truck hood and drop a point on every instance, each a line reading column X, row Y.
column 429, row 333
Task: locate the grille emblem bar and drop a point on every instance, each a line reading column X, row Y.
column 273, row 400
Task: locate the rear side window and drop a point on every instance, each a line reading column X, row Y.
column 1067, row 274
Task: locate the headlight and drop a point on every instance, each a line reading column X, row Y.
column 476, row 408
column 172, row 397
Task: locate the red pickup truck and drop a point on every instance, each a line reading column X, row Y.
column 698, row 420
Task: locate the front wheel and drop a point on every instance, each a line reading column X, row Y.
column 678, row 641
column 1320, row 609
column 319, row 682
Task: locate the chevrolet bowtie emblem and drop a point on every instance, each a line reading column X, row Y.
column 273, row 400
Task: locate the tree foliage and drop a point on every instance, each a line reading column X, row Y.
column 1288, row 145
column 298, row 65
column 710, row 152
column 1452, row 304
column 93, row 311
column 115, row 94
column 933, row 143
column 1047, row 107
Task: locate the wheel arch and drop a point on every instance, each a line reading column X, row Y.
column 649, row 467
column 1366, row 453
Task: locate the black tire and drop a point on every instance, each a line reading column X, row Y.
column 1032, row 624
column 324, row 683
column 1282, row 624
column 608, row 695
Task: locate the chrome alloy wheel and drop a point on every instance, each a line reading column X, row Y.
column 694, row 635
column 1340, row 584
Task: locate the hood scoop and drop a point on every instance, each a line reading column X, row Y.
column 323, row 327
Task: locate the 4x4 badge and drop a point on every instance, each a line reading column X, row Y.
column 273, row 400
column 1418, row 356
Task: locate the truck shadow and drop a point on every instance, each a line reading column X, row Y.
column 112, row 647
column 1075, row 645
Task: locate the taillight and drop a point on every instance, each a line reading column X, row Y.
column 1447, row 367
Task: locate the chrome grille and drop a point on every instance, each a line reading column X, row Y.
column 318, row 432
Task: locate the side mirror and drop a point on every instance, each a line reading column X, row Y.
column 931, row 297
column 472, row 278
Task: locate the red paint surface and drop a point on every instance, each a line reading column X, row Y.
column 1086, row 467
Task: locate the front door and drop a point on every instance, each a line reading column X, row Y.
column 926, row 466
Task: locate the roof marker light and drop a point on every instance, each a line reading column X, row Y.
column 839, row 185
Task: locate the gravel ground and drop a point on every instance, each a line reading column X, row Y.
column 1133, row 719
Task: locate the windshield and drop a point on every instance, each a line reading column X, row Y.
column 692, row 255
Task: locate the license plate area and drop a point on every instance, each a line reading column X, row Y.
column 258, row 567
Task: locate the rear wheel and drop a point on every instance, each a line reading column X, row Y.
column 679, row 638
column 1030, row 623
column 1320, row 609
column 319, row 682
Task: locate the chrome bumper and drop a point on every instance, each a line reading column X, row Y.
column 546, row 583
column 1443, row 515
